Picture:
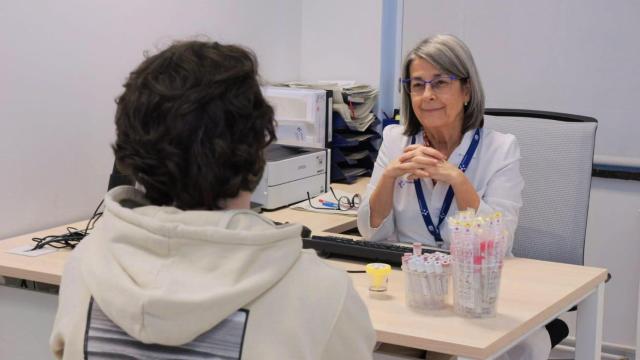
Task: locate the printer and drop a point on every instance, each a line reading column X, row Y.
column 299, row 161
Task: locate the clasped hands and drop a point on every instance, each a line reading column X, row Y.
column 420, row 161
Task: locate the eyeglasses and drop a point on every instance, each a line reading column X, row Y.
column 439, row 84
column 343, row 203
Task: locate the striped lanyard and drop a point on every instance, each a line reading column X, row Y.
column 446, row 204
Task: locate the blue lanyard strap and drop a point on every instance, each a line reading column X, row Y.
column 448, row 199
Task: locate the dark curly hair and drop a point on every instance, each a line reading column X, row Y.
column 192, row 125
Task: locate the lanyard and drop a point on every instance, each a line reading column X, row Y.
column 446, row 204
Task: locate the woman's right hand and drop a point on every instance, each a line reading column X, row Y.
column 414, row 161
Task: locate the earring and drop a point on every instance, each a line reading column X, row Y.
column 465, row 103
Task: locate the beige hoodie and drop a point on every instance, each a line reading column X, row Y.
column 166, row 276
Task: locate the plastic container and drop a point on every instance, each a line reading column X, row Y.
column 378, row 276
column 426, row 288
column 476, row 288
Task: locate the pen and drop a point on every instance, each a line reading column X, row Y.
column 328, row 204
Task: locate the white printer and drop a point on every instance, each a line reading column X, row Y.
column 299, row 162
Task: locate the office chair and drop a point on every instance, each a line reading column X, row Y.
column 556, row 161
column 557, row 157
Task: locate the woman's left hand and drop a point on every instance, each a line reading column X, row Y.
column 442, row 171
column 439, row 169
column 433, row 164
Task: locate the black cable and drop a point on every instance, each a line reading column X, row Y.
column 72, row 237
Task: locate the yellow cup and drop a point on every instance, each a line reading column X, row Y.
column 378, row 276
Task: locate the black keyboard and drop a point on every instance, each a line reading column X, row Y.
column 369, row 251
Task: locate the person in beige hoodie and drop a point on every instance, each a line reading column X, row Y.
column 179, row 267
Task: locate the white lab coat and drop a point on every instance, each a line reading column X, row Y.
column 494, row 171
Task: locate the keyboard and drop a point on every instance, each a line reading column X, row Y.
column 369, row 251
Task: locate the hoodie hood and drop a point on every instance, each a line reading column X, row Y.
column 166, row 275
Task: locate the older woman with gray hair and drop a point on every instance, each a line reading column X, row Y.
column 440, row 160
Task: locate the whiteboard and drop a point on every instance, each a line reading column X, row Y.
column 572, row 56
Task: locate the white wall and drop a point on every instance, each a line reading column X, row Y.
column 62, row 65
column 341, row 40
column 613, row 242
column 64, row 62
column 573, row 56
column 27, row 318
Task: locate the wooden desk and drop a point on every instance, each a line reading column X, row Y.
column 48, row 268
column 532, row 293
column 322, row 222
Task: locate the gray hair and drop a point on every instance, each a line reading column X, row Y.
column 450, row 55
